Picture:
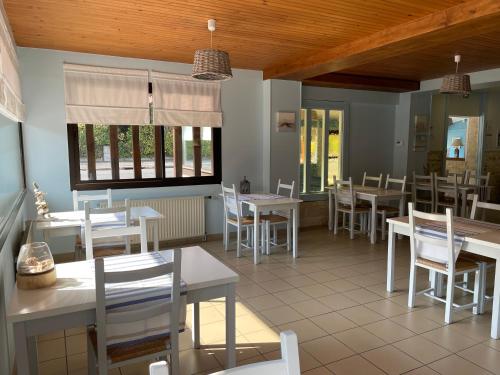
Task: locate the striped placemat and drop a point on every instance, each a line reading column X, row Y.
column 463, row 227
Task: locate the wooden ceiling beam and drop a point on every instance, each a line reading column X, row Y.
column 464, row 20
column 360, row 82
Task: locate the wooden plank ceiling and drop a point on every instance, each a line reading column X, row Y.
column 290, row 39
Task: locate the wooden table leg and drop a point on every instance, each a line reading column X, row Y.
column 230, row 326
column 391, row 249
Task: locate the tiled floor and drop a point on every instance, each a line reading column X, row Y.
column 334, row 298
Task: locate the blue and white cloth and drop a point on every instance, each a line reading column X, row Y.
column 435, row 252
column 138, row 295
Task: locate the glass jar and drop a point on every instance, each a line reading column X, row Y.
column 34, row 258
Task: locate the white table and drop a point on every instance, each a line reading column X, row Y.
column 373, row 195
column 67, row 223
column 486, row 244
column 258, row 206
column 71, row 303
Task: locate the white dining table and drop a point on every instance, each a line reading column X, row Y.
column 486, row 243
column 71, row 303
column 67, row 223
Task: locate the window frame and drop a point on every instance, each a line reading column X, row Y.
column 159, row 181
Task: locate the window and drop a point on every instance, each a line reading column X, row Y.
column 321, row 146
column 125, row 156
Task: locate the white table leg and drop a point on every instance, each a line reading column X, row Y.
column 402, row 203
column 156, row 240
column 195, row 329
column 330, row 210
column 495, row 316
column 391, row 243
column 256, row 227
column 26, row 353
column 231, row 326
column 295, row 231
column 373, row 235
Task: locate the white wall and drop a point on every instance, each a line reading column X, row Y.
column 46, row 148
column 371, row 127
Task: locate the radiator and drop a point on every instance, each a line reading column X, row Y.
column 183, row 217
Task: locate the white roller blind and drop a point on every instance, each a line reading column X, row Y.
column 180, row 100
column 102, row 95
column 11, row 104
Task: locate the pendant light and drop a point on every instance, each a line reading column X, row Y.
column 456, row 83
column 211, row 64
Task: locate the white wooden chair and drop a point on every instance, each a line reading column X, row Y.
column 446, row 193
column 345, row 202
column 233, row 217
column 439, row 254
column 106, row 246
column 289, row 363
column 79, row 197
column 279, row 217
column 372, row 180
column 386, row 211
column 423, row 191
column 461, row 177
column 103, row 356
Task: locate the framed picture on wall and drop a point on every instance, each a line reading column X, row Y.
column 421, row 128
column 285, row 122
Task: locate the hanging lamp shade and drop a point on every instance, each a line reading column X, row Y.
column 211, row 64
column 457, row 84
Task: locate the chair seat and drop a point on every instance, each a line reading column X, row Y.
column 357, row 209
column 126, row 352
column 461, row 264
column 274, row 219
column 477, row 258
column 391, row 209
column 244, row 220
column 106, row 251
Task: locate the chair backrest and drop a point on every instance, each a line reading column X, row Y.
column 376, row 179
column 436, row 248
column 344, row 193
column 161, row 306
column 446, row 185
column 391, row 182
column 461, row 177
column 288, row 188
column 483, row 180
column 78, row 197
column 289, row 363
column 107, row 212
column 422, row 183
column 477, row 204
column 231, row 204
column 91, row 233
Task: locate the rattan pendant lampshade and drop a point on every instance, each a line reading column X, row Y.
column 211, row 64
column 457, row 83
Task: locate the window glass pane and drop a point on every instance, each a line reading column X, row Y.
column 303, row 135
column 206, row 152
column 125, row 151
column 317, row 149
column 168, row 147
column 335, row 132
column 147, row 145
column 82, row 145
column 187, row 152
column 102, row 152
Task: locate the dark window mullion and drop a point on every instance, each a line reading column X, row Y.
column 136, row 152
column 89, row 136
column 197, row 151
column 114, row 152
column 159, row 152
column 178, row 151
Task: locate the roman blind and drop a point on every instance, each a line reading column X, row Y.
column 103, row 95
column 11, row 104
column 180, row 100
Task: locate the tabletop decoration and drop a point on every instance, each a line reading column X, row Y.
column 42, row 208
column 35, row 266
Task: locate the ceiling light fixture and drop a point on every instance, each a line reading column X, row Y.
column 211, row 64
column 458, row 84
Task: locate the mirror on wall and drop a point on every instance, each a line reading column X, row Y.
column 456, row 137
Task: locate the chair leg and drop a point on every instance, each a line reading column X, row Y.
column 174, row 357
column 248, row 235
column 268, row 237
column 450, row 292
column 483, row 267
column 477, row 291
column 335, row 222
column 91, row 359
column 238, row 241
column 351, row 225
column 412, row 286
column 465, row 280
column 288, row 235
column 226, row 236
column 275, row 234
column 262, row 239
column 382, row 225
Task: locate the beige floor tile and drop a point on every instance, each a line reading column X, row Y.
column 307, row 361
column 75, row 331
column 355, row 365
column 483, row 356
column 77, row 362
column 139, row 368
column 338, row 301
column 455, row 365
column 333, row 322
column 317, row 290
column 250, row 290
column 241, row 309
column 323, row 276
column 389, row 331
column 450, row 339
column 267, row 301
column 53, row 367
column 386, row 308
column 194, row 361
column 359, row 339
column 52, row 349
column 422, row 350
column 275, row 286
column 361, row 315
column 51, row 336
column 246, row 324
column 424, row 370
column 311, row 308
column 292, row 296
column 415, row 323
column 76, row 344
column 341, row 285
column 327, row 349
column 281, row 315
column 363, row 296
column 265, row 341
column 471, row 328
column 305, row 329
column 391, row 360
column 300, row 281
column 318, row 371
